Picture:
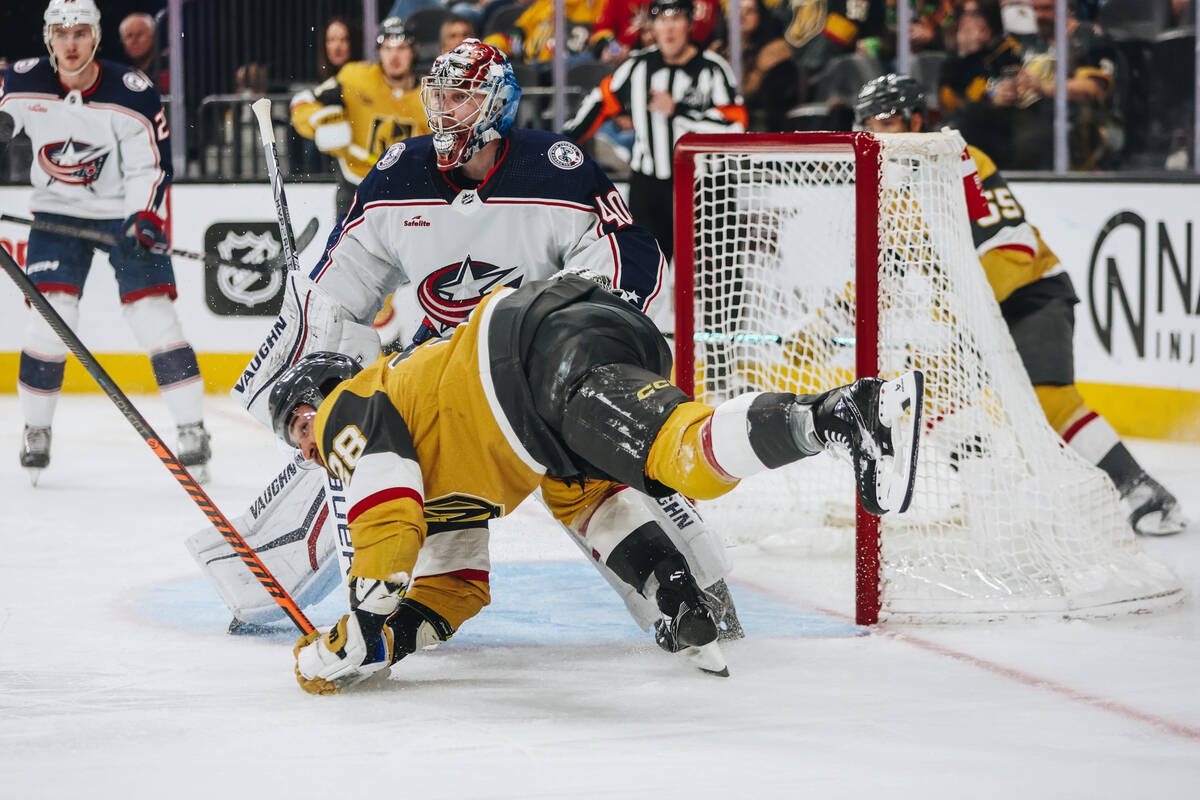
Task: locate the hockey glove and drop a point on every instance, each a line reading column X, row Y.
column 331, row 129
column 326, row 665
column 145, row 232
column 358, row 646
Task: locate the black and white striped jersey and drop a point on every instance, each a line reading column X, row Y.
column 706, row 100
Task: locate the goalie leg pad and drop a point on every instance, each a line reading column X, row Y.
column 309, row 320
column 288, row 526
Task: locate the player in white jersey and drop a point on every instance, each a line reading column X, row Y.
column 441, row 221
column 102, row 165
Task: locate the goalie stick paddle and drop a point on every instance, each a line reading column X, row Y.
column 139, row 423
column 99, row 237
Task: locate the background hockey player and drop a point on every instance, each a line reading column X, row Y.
column 558, row 384
column 1037, row 300
column 441, row 221
column 670, row 89
column 363, row 110
column 103, row 164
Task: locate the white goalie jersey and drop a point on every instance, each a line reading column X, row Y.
column 439, row 248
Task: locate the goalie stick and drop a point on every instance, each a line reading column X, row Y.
column 99, row 237
column 262, row 112
column 139, row 423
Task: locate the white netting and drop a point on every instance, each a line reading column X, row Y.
column 1005, row 519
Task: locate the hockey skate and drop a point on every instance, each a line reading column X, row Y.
column 35, row 450
column 877, row 425
column 1153, row 511
column 690, row 619
column 194, row 451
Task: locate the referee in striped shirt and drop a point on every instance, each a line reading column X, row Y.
column 670, row 89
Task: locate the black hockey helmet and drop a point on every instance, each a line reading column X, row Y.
column 673, row 6
column 391, row 28
column 309, row 381
column 887, row 95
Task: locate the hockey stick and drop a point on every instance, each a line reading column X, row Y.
column 99, row 237
column 262, row 112
column 139, row 423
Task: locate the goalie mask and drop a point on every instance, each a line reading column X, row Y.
column 470, row 97
column 307, row 382
column 68, row 14
column 889, row 95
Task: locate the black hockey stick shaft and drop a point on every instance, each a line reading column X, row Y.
column 262, row 112
column 99, row 237
column 139, row 423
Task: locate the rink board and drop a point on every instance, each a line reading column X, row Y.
column 1128, row 247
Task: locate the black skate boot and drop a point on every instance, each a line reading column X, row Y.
column 193, row 450
column 35, row 450
column 1153, row 511
column 877, row 424
column 689, row 623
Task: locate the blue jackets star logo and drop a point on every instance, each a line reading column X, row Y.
column 449, row 295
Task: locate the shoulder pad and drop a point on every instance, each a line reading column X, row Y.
column 31, row 75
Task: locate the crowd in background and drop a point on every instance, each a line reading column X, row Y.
column 988, row 66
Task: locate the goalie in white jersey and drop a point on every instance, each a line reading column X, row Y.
column 102, row 166
column 441, row 221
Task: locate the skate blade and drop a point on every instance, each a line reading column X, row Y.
column 199, row 473
column 900, row 404
column 35, row 473
column 707, row 658
column 1158, row 524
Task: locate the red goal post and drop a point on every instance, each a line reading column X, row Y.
column 805, row 260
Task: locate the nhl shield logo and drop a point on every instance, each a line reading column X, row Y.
column 254, row 287
column 565, row 155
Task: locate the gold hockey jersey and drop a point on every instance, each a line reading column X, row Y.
column 379, row 115
column 1011, row 250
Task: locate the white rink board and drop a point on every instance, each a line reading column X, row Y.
column 193, row 209
column 1071, row 217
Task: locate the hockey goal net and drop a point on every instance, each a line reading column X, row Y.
column 804, row 261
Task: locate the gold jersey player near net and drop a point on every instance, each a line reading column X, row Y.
column 1037, row 301
column 556, row 385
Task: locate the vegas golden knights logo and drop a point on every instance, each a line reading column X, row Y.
column 386, row 131
column 808, row 20
column 454, row 511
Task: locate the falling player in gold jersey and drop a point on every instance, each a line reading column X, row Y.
column 560, row 385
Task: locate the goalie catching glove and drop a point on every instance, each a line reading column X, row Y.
column 382, row 627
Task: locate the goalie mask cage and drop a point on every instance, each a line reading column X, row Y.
column 806, row 260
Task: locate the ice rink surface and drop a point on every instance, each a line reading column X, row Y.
column 117, row 679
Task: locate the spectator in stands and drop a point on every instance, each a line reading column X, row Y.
column 141, row 49
column 1182, row 13
column 453, row 31
column 403, row 9
column 343, row 44
column 770, row 79
column 621, row 25
column 531, row 39
column 822, row 31
column 1096, row 133
column 931, row 28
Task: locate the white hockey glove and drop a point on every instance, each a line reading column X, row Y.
column 331, row 129
column 381, row 629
